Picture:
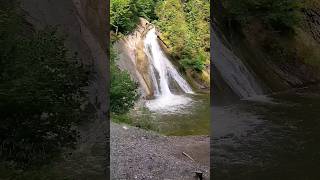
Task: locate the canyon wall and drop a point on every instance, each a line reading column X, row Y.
column 296, row 64
column 84, row 22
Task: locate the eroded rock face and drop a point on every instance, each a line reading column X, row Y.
column 133, row 59
column 143, row 66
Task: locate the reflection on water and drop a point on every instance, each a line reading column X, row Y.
column 182, row 115
column 262, row 140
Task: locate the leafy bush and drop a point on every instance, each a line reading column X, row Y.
column 197, row 64
column 197, row 16
column 41, row 91
column 123, row 91
column 185, row 29
column 122, row 15
column 146, row 9
column 173, row 26
column 125, row 13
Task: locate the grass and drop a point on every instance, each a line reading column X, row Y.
column 141, row 119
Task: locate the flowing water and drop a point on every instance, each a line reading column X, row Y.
column 175, row 109
column 162, row 72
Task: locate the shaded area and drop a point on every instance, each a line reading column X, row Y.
column 274, row 140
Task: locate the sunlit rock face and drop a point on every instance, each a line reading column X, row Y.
column 133, row 59
column 84, row 23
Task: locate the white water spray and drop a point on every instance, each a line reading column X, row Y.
column 160, row 70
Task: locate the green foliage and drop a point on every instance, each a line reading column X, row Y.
column 123, row 91
column 197, row 64
column 173, row 25
column 185, row 29
column 121, row 118
column 124, row 14
column 41, row 91
column 279, row 14
column 197, row 15
column 184, row 26
column 146, row 9
column 141, row 118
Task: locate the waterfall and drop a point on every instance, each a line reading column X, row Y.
column 233, row 71
column 161, row 67
column 161, row 72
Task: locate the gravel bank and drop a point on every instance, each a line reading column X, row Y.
column 140, row 154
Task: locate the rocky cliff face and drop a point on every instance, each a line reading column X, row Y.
column 84, row 22
column 133, row 59
column 290, row 65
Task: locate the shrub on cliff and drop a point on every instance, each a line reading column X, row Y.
column 123, row 91
column 124, row 14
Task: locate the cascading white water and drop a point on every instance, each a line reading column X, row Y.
column 160, row 70
column 233, row 71
column 162, row 65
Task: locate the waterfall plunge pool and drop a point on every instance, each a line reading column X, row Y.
column 182, row 115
